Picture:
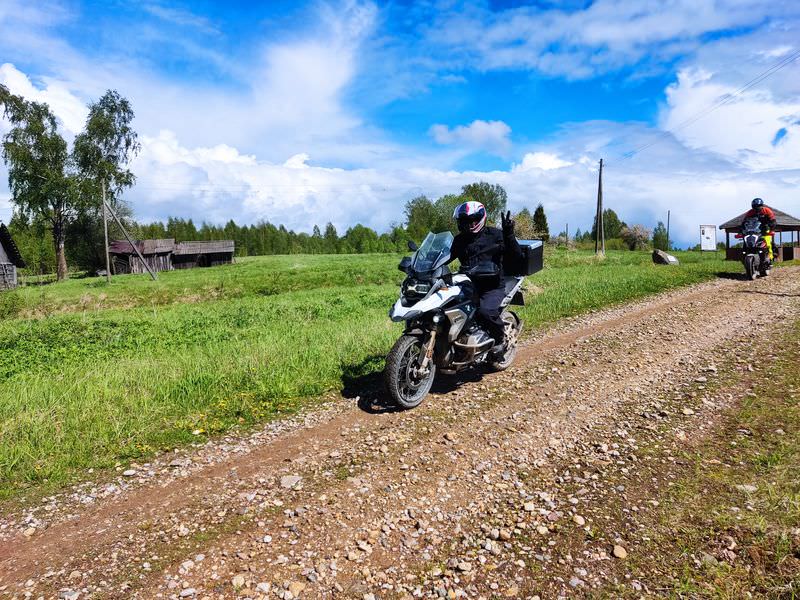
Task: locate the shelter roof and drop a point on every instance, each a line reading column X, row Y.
column 209, row 247
column 146, row 247
column 10, row 247
column 784, row 222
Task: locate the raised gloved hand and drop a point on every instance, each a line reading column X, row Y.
column 508, row 224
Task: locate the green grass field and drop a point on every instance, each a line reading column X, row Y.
column 92, row 374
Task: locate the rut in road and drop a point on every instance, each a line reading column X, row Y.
column 381, row 496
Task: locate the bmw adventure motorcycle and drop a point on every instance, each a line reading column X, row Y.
column 439, row 310
column 755, row 255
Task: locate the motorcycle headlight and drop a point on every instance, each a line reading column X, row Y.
column 414, row 288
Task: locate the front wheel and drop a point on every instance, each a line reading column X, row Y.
column 750, row 266
column 406, row 383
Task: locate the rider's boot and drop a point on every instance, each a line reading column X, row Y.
column 499, row 347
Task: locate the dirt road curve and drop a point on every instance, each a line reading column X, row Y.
column 471, row 495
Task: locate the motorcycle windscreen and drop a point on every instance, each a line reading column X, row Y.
column 434, row 252
column 751, row 226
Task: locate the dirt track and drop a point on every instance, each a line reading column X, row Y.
column 457, row 498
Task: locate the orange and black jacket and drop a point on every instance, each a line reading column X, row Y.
column 766, row 217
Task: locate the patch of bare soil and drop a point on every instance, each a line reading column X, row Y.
column 496, row 486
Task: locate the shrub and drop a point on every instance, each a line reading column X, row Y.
column 636, row 237
column 10, row 304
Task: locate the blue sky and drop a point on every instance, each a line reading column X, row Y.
column 308, row 112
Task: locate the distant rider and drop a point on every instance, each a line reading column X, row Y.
column 766, row 216
column 477, row 243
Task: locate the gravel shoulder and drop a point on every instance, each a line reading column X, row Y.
column 495, row 486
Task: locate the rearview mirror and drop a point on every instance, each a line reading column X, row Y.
column 412, row 246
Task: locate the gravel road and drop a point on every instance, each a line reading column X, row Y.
column 497, row 486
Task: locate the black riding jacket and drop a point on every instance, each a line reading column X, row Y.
column 485, row 246
column 490, row 245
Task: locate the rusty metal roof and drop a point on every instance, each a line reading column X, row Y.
column 168, row 246
column 211, row 247
column 146, row 247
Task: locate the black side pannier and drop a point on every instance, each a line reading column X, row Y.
column 531, row 261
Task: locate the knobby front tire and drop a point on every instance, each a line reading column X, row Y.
column 750, row 267
column 405, row 388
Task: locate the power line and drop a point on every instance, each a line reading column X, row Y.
column 244, row 187
column 726, row 99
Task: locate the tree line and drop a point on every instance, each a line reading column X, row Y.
column 57, row 189
column 83, row 236
column 620, row 236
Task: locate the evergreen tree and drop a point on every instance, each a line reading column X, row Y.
column 612, row 225
column 331, row 244
column 540, row 223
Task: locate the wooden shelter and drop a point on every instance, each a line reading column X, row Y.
column 188, row 255
column 157, row 254
column 784, row 224
column 10, row 259
column 166, row 255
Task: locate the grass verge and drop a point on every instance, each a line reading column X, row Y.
column 99, row 374
column 730, row 526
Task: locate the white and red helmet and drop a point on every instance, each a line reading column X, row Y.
column 470, row 216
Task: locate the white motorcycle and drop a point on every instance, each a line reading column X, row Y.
column 439, row 310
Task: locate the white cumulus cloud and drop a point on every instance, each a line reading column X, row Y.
column 69, row 109
column 599, row 37
column 540, row 160
column 492, row 136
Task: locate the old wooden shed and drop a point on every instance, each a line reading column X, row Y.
column 785, row 224
column 166, row 255
column 157, row 254
column 10, row 259
column 188, row 255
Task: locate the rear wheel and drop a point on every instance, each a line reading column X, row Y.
column 750, row 266
column 406, row 383
column 513, row 326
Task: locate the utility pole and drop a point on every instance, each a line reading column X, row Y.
column 567, row 230
column 668, row 248
column 105, row 231
column 130, row 241
column 600, row 234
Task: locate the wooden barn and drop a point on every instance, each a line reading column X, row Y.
column 166, row 255
column 10, row 259
column 157, row 254
column 188, row 255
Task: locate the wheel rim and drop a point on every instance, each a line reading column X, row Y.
column 411, row 380
column 511, row 337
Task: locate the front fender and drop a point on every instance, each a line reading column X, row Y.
column 431, row 302
column 398, row 312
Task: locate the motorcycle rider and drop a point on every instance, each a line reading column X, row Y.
column 477, row 243
column 766, row 217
